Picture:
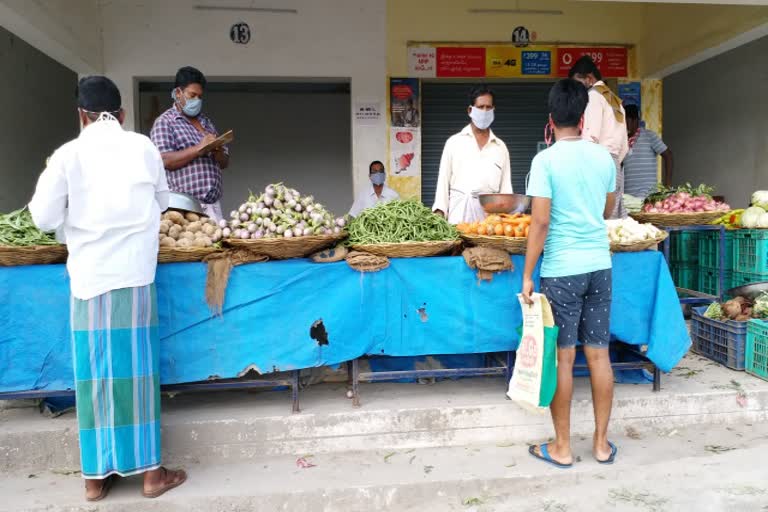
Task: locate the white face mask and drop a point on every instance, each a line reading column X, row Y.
column 481, row 118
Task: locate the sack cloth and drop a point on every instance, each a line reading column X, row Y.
column 366, row 262
column 487, row 261
column 219, row 267
column 534, row 379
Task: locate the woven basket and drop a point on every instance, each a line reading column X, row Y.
column 409, row 249
column 512, row 245
column 677, row 219
column 32, row 255
column 287, row 248
column 645, row 245
column 185, row 255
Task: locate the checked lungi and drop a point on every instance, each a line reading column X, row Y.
column 115, row 344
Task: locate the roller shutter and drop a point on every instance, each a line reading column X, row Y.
column 521, row 113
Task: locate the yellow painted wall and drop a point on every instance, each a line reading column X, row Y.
column 676, row 32
column 448, row 20
column 663, row 34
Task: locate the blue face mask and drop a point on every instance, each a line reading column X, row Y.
column 378, row 178
column 192, row 106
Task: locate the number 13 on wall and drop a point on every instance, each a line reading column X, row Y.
column 240, row 33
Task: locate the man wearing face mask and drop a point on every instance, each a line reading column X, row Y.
column 474, row 162
column 604, row 122
column 106, row 190
column 181, row 133
column 377, row 193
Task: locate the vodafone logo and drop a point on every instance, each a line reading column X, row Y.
column 527, row 352
column 567, row 59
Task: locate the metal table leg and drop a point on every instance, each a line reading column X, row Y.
column 356, row 382
column 295, row 390
column 656, row 379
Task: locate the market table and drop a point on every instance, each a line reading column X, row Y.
column 415, row 307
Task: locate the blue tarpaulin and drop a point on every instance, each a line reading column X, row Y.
column 415, row 307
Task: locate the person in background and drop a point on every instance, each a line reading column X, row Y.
column 572, row 185
column 107, row 189
column 474, row 162
column 640, row 164
column 181, row 134
column 604, row 121
column 377, row 193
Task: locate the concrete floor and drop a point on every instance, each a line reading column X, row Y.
column 699, row 444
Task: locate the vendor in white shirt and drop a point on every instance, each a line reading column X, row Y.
column 377, row 193
column 474, row 162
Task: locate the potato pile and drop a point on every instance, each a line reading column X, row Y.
column 181, row 231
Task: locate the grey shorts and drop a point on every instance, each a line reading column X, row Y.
column 581, row 305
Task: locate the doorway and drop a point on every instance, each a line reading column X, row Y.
column 521, row 113
column 298, row 133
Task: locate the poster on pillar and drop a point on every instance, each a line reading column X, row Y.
column 404, row 102
column 405, row 131
column 629, row 92
column 405, row 148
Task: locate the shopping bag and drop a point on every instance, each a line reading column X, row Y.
column 534, row 379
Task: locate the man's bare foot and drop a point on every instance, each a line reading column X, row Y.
column 602, row 450
column 97, row 490
column 162, row 480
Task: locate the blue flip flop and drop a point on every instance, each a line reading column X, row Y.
column 546, row 457
column 612, row 458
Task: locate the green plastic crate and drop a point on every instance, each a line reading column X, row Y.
column 709, row 281
column 750, row 251
column 744, row 278
column 685, row 276
column 684, row 247
column 756, row 358
column 709, row 250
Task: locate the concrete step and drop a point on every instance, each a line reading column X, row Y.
column 235, row 427
column 693, row 468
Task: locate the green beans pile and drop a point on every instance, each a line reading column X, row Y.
column 17, row 229
column 397, row 222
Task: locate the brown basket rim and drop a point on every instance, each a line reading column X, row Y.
column 410, row 249
column 17, row 256
column 32, row 248
column 677, row 219
column 184, row 254
column 511, row 244
column 287, row 248
column 297, row 240
column 643, row 245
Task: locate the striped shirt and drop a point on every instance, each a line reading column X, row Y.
column 641, row 164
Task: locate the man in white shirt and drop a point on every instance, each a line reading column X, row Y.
column 377, row 193
column 604, row 122
column 474, row 162
column 106, row 190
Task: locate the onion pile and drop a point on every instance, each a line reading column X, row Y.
column 683, row 200
column 280, row 212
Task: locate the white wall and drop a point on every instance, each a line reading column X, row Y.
column 301, row 139
column 330, row 38
column 66, row 30
column 714, row 122
column 37, row 99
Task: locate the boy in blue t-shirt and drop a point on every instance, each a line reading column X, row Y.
column 572, row 185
